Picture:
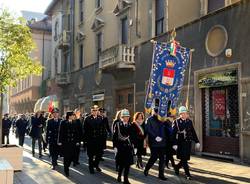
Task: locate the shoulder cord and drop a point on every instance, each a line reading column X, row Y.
column 120, row 136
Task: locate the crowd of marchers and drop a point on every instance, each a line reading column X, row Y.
column 131, row 136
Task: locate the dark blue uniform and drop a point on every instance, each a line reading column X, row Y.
column 52, row 139
column 21, row 127
column 123, row 142
column 93, row 135
column 70, row 139
column 6, row 129
column 183, row 135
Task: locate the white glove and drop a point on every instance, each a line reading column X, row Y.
column 175, row 147
column 197, row 146
column 59, row 144
column 158, row 139
column 115, row 150
column 77, row 144
column 135, row 150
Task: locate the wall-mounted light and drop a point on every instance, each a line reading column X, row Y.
column 228, row 53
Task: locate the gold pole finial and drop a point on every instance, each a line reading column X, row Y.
column 173, row 35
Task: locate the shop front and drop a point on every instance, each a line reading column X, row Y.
column 220, row 119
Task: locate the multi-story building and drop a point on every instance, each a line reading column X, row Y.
column 110, row 55
column 24, row 96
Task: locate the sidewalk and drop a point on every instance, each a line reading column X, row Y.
column 38, row 172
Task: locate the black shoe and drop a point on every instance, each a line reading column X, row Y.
column 145, row 172
column 119, row 179
column 53, row 167
column 98, row 169
column 101, row 159
column 67, row 174
column 126, row 182
column 40, row 156
column 74, row 164
column 91, row 171
column 176, row 170
column 162, row 178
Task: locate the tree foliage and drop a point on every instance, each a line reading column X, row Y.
column 16, row 45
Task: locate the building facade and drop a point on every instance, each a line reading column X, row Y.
column 23, row 97
column 110, row 54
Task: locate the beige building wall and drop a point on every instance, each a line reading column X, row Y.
column 27, row 90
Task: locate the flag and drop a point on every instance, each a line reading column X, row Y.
column 166, row 78
column 51, row 106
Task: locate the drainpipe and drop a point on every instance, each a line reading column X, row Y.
column 72, row 22
column 137, row 18
column 134, row 97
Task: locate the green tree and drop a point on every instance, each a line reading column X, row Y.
column 16, row 45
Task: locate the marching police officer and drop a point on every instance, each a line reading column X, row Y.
column 6, row 128
column 52, row 136
column 157, row 138
column 106, row 128
column 69, row 139
column 21, row 127
column 78, row 120
column 93, row 135
column 183, row 135
column 123, row 145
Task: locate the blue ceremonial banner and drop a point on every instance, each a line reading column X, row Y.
column 166, row 78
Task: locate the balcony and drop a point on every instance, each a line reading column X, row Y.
column 64, row 40
column 117, row 57
column 63, row 79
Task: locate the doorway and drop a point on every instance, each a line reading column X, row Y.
column 125, row 99
column 220, row 117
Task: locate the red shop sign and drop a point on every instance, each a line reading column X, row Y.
column 219, row 103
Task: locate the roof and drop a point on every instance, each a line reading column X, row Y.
column 50, row 7
column 29, row 15
column 44, row 24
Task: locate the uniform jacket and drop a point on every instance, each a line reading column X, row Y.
column 6, row 126
column 36, row 130
column 122, row 140
column 155, row 128
column 183, row 135
column 52, row 131
column 68, row 137
column 21, row 125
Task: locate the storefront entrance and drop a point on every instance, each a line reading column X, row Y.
column 220, row 118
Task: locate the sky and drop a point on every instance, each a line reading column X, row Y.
column 30, row 5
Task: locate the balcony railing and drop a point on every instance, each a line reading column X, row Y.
column 63, row 79
column 119, row 56
column 64, row 40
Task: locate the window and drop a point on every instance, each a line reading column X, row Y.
column 81, row 11
column 130, row 98
column 215, row 5
column 159, row 16
column 56, row 66
column 69, row 22
column 99, row 45
column 124, row 24
column 81, row 56
column 98, row 3
column 120, row 99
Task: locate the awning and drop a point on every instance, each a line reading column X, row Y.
column 46, row 103
column 37, row 104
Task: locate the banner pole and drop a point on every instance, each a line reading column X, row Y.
column 189, row 78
